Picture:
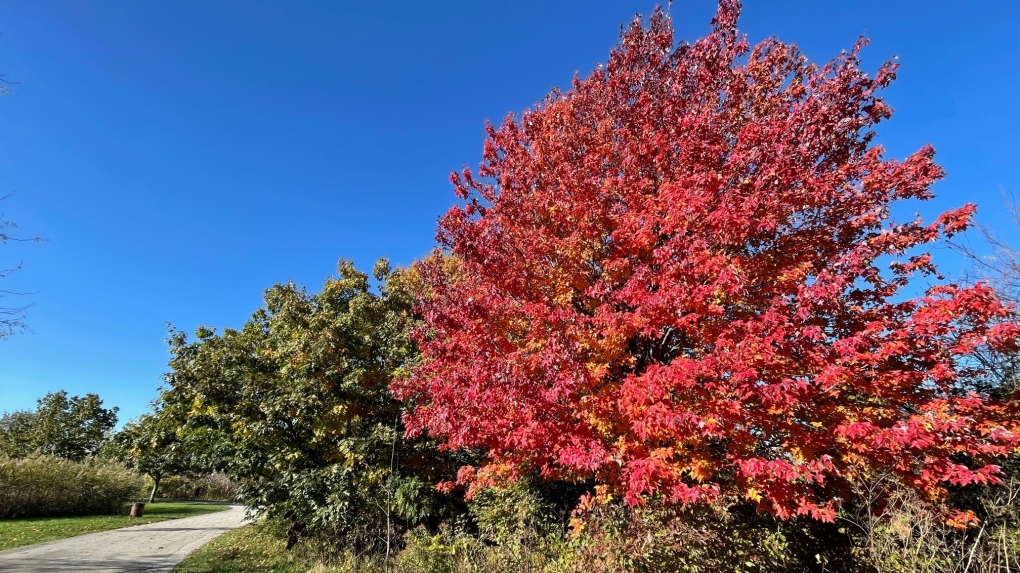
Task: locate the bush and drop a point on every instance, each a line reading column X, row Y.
column 453, row 550
column 512, row 529
column 908, row 535
column 48, row 486
column 211, row 487
column 613, row 538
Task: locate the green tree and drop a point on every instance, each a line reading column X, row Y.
column 300, row 398
column 74, row 427
column 16, row 433
column 152, row 446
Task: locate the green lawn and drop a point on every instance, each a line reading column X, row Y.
column 18, row 532
column 246, row 549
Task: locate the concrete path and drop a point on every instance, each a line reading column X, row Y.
column 150, row 548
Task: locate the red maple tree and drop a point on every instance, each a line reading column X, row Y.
column 675, row 278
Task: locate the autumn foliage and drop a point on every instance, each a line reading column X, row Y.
column 681, row 278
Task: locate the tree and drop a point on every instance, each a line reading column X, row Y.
column 11, row 317
column 667, row 279
column 299, row 398
column 152, row 446
column 1001, row 268
column 68, row 427
column 16, row 433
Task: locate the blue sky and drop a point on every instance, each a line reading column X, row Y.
column 181, row 156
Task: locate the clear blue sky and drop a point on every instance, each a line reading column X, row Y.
column 181, row 156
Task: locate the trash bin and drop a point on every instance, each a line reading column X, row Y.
column 137, row 509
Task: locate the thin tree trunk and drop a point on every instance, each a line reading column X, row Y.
column 389, row 492
column 155, row 487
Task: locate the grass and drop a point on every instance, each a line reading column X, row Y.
column 19, row 532
column 246, row 549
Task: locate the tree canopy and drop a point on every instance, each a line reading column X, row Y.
column 299, row 398
column 159, row 446
column 71, row 427
column 681, row 278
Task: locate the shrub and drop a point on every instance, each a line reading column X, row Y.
column 212, row 487
column 43, row 486
column 453, row 550
column 613, row 538
column 906, row 535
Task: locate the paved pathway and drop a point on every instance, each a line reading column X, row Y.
column 151, row 548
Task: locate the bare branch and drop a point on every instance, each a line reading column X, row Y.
column 11, row 317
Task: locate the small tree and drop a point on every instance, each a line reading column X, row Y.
column 668, row 279
column 151, row 445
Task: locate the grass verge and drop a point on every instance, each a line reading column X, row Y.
column 248, row 548
column 28, row 531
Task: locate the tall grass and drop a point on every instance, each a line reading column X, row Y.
column 47, row 486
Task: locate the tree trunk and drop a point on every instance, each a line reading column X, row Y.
column 155, row 486
column 389, row 493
